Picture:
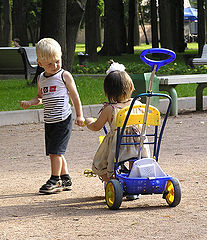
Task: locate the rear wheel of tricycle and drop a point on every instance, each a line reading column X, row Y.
column 172, row 193
column 113, row 194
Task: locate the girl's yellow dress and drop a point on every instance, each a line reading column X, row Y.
column 103, row 162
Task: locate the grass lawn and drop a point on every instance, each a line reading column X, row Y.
column 15, row 90
column 91, row 89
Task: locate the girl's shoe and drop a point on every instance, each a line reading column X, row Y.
column 132, row 197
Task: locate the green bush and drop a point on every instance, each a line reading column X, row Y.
column 134, row 64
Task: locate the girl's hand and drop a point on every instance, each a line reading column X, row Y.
column 80, row 121
column 25, row 104
column 89, row 120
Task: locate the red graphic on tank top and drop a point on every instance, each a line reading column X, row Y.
column 52, row 88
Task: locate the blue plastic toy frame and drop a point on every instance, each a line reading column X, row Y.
column 157, row 140
column 160, row 63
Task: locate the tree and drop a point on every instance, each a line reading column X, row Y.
column 53, row 23
column 165, row 24
column 141, row 20
column 99, row 13
column 1, row 23
column 19, row 19
column 75, row 12
column 154, row 26
column 201, row 26
column 64, row 21
column 114, row 29
column 171, row 16
column 136, row 26
column 177, row 9
column 131, row 21
column 5, row 23
column 55, row 12
column 91, row 20
column 33, row 20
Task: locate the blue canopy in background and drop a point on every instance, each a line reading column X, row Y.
column 190, row 14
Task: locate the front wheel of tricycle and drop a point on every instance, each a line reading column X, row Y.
column 172, row 192
column 113, row 194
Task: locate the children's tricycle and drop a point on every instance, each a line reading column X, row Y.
column 145, row 175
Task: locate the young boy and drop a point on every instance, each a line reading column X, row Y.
column 55, row 86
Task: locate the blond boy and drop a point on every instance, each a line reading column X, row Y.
column 55, row 86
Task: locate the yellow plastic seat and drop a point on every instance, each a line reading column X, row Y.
column 153, row 117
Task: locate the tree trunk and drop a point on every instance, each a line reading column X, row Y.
column 142, row 22
column 201, row 26
column 33, row 22
column 98, row 28
column 6, row 35
column 114, row 29
column 136, row 26
column 166, row 38
column 178, row 10
column 154, row 26
column 131, row 26
column 205, row 19
column 19, row 15
column 91, row 29
column 172, row 24
column 53, row 23
column 1, row 24
column 75, row 12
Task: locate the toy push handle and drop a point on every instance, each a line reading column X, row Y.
column 160, row 63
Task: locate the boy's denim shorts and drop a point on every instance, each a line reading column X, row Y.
column 57, row 136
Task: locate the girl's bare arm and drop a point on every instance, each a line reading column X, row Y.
column 104, row 117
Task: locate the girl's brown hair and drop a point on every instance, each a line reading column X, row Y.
column 118, row 86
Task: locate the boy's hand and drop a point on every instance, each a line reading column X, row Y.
column 25, row 104
column 80, row 121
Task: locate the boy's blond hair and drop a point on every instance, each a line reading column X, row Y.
column 47, row 49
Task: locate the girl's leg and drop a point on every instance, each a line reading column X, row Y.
column 104, row 178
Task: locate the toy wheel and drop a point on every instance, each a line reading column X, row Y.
column 172, row 192
column 113, row 194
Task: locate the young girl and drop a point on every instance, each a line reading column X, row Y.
column 118, row 87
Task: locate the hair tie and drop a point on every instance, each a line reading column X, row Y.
column 115, row 66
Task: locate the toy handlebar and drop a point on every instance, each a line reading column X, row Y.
column 160, row 63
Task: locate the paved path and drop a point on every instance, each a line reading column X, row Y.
column 82, row 213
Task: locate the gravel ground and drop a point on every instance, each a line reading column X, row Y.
column 82, row 212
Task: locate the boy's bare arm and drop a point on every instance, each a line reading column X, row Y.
column 34, row 101
column 74, row 96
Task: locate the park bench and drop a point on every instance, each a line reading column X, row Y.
column 203, row 59
column 168, row 83
column 18, row 60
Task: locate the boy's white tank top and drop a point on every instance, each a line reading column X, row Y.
column 55, row 97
